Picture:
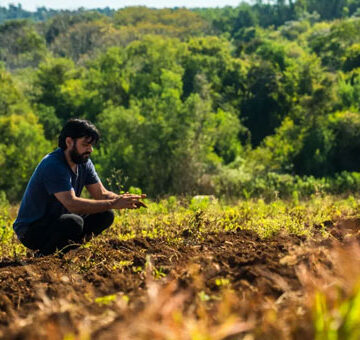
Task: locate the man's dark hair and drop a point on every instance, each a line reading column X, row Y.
column 77, row 128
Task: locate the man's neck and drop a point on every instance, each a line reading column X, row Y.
column 72, row 165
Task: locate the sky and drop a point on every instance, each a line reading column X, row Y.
column 31, row 5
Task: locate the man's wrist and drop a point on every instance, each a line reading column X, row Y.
column 111, row 195
column 113, row 203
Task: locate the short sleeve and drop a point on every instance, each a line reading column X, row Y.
column 91, row 174
column 56, row 178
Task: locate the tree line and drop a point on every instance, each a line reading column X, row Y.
column 205, row 100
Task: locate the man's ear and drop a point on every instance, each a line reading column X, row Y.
column 69, row 142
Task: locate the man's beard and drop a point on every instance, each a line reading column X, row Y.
column 78, row 158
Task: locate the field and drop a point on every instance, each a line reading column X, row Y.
column 193, row 270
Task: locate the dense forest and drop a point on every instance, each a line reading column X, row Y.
column 261, row 99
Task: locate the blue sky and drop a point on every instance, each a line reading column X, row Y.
column 72, row 4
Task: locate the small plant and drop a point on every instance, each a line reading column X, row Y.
column 121, row 264
column 105, row 300
column 221, row 282
column 116, row 182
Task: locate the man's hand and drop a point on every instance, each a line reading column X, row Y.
column 129, row 201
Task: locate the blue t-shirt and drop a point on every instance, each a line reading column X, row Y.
column 52, row 175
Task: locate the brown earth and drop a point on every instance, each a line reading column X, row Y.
column 49, row 297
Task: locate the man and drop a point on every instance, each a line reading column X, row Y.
column 52, row 215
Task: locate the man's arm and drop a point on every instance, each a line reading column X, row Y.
column 99, row 192
column 79, row 205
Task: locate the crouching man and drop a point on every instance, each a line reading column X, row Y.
column 52, row 215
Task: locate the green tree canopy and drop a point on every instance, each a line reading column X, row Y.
column 22, row 145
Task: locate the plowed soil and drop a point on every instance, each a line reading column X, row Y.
column 99, row 290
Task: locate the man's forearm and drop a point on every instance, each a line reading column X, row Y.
column 90, row 206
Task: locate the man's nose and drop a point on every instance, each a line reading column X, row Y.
column 91, row 148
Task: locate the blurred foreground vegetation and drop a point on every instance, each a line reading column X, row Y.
column 259, row 100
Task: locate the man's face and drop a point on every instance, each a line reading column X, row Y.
column 81, row 150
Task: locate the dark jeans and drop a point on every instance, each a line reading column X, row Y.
column 65, row 233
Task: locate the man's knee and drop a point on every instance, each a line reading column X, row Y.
column 96, row 223
column 72, row 224
column 108, row 218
